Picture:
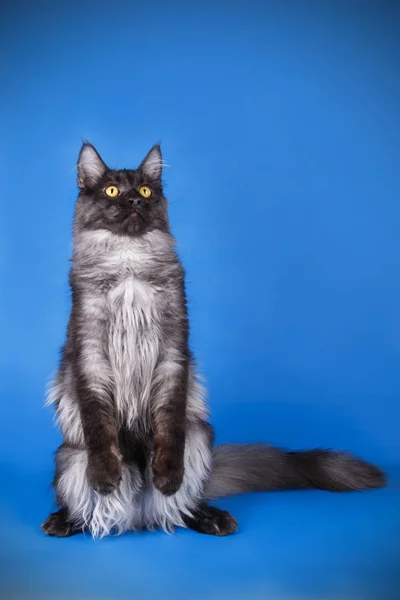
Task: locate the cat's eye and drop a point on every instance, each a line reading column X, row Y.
column 111, row 191
column 145, row 191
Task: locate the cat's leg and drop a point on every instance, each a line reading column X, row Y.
column 195, row 514
column 84, row 410
column 58, row 524
column 100, row 514
column 168, row 511
column 168, row 417
column 210, row 520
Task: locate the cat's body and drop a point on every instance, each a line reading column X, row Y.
column 137, row 448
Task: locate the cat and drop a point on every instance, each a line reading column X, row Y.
column 137, row 447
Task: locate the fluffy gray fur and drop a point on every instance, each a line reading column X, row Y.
column 125, row 352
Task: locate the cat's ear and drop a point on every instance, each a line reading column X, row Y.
column 152, row 164
column 91, row 167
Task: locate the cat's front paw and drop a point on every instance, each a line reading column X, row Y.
column 168, row 471
column 104, row 471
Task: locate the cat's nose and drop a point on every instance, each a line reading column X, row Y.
column 134, row 201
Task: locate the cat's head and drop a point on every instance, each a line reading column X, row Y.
column 128, row 202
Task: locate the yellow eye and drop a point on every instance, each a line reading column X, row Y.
column 145, row 191
column 112, row 191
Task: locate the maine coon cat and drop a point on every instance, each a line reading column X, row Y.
column 138, row 449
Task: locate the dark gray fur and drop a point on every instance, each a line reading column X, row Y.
column 239, row 468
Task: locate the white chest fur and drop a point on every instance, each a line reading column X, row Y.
column 121, row 268
column 101, row 253
column 133, row 345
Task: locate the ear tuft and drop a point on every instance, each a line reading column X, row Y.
column 91, row 167
column 152, row 164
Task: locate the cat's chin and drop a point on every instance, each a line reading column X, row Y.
column 133, row 224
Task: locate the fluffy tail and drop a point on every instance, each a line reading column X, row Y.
column 239, row 468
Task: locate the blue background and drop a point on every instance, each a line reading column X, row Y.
column 280, row 123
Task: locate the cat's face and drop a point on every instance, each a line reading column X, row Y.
column 128, row 202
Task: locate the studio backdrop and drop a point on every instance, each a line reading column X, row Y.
column 279, row 123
